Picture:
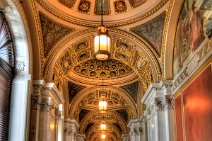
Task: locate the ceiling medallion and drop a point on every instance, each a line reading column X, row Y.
column 102, row 41
column 84, row 6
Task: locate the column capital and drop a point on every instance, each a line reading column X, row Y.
column 135, row 127
column 70, row 126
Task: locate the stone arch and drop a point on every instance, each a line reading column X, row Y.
column 112, row 117
column 23, row 68
column 143, row 55
column 168, row 49
column 111, row 130
column 80, row 100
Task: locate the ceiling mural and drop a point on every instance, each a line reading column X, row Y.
column 73, row 90
column 152, row 32
column 52, row 32
column 132, row 89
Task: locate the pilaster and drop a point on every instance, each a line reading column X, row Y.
column 159, row 111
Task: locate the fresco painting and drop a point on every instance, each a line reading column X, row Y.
column 189, row 35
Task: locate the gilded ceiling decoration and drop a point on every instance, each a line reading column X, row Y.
column 120, row 6
column 52, row 32
column 88, row 98
column 6, row 42
column 73, row 90
column 68, row 3
column 109, row 69
column 206, row 5
column 95, row 117
column 136, row 11
column 152, row 32
column 106, row 7
column 84, row 6
column 132, row 89
column 112, row 130
column 136, row 3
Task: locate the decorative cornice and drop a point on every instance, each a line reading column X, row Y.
column 199, row 57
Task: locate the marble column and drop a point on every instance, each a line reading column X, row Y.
column 80, row 137
column 70, row 129
column 47, row 119
column 159, row 111
column 60, row 129
column 45, row 114
column 35, row 109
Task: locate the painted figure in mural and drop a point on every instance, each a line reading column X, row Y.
column 189, row 35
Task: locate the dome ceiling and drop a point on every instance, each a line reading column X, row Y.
column 116, row 12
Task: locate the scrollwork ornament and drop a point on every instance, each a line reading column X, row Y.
column 35, row 102
column 161, row 103
column 68, row 131
column 45, row 104
column 137, row 131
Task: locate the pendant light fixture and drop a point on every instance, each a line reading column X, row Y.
column 102, row 106
column 102, row 41
column 103, row 135
column 103, row 126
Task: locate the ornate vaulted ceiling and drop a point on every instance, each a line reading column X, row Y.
column 66, row 29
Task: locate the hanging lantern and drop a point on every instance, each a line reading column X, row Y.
column 102, row 44
column 102, row 41
column 103, row 136
column 102, row 107
column 103, row 126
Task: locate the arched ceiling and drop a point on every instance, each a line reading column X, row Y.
column 66, row 29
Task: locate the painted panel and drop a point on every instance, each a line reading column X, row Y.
column 197, row 100
column 189, row 35
column 194, row 111
column 106, row 7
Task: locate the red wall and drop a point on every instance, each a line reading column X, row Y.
column 193, row 109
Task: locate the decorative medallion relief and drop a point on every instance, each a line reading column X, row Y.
column 120, row 6
column 109, row 69
column 152, row 32
column 84, row 6
column 52, row 32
